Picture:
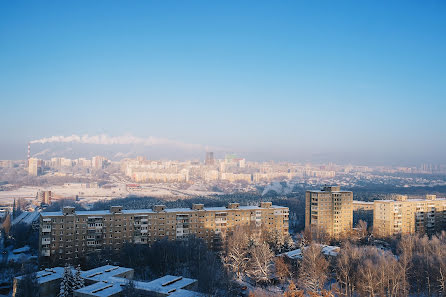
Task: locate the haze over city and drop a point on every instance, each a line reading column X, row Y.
column 341, row 82
column 222, row 148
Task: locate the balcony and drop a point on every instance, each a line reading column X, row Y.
column 46, row 228
column 46, row 240
column 46, row 253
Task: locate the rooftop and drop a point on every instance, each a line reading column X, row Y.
column 327, row 250
column 150, row 211
column 108, row 282
column 104, row 272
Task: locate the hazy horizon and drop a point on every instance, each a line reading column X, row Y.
column 343, row 82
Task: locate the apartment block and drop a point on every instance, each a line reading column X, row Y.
column 406, row 216
column 34, row 167
column 44, row 197
column 70, row 234
column 329, row 210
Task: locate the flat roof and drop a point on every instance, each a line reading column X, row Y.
column 168, row 285
column 104, row 272
column 107, row 282
column 411, row 200
column 168, row 210
column 48, row 274
column 322, row 191
column 328, row 250
column 102, row 289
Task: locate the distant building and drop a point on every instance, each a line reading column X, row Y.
column 405, row 216
column 108, row 281
column 164, row 177
column 209, row 158
column 329, row 210
column 69, row 234
column 234, row 177
column 34, row 167
column 44, row 197
column 362, row 205
column 84, row 162
column 98, row 162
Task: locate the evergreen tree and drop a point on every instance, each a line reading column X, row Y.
column 66, row 285
column 78, row 279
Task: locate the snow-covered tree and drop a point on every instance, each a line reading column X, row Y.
column 260, row 266
column 78, row 279
column 66, row 285
column 236, row 256
column 313, row 271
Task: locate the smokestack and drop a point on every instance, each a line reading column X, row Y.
column 29, row 151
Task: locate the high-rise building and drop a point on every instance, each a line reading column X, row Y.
column 329, row 210
column 209, row 158
column 69, row 234
column 44, row 197
column 98, row 162
column 34, row 166
column 405, row 216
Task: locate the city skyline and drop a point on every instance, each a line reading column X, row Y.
column 351, row 82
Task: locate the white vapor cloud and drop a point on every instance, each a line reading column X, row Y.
column 126, row 139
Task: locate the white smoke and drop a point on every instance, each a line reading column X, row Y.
column 126, row 139
column 41, row 153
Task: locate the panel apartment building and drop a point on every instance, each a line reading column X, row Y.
column 329, row 210
column 405, row 216
column 69, row 234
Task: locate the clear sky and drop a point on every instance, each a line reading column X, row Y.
column 351, row 80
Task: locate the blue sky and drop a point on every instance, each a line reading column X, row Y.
column 361, row 81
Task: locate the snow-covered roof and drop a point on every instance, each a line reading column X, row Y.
column 104, row 272
column 48, row 274
column 24, row 249
column 26, row 218
column 186, row 293
column 165, row 285
column 107, row 282
column 150, row 211
column 327, row 250
column 102, row 289
column 362, row 202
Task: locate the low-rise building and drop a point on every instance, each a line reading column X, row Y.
column 326, row 250
column 109, row 281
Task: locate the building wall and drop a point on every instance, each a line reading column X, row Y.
column 407, row 216
column 70, row 235
column 329, row 210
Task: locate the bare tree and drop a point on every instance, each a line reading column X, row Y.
column 346, row 268
column 313, row 269
column 362, row 227
column 292, row 291
column 236, row 256
column 282, row 269
column 260, row 266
